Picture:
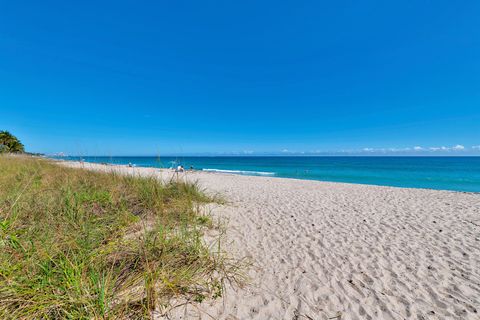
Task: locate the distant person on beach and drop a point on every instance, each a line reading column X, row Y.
column 180, row 169
column 130, row 164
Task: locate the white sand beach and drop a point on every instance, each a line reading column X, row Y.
column 325, row 250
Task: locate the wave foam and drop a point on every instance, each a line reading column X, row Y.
column 242, row 172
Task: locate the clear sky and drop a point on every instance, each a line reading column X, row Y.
column 167, row 77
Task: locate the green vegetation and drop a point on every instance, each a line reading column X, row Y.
column 10, row 143
column 77, row 244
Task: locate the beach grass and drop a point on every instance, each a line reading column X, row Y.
column 78, row 244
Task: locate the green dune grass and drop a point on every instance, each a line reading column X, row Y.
column 77, row 244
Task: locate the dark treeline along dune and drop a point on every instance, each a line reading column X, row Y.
column 9, row 143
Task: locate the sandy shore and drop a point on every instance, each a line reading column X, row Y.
column 343, row 251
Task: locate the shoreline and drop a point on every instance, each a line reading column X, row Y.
column 336, row 250
column 202, row 171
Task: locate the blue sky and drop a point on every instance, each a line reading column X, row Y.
column 170, row 77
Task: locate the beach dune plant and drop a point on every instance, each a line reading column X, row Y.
column 77, row 244
column 10, row 143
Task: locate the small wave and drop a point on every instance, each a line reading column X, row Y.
column 242, row 172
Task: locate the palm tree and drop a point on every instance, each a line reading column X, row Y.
column 10, row 143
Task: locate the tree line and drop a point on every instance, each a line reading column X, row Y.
column 10, row 144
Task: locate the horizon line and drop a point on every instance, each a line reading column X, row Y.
column 269, row 155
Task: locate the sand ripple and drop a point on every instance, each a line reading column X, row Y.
column 342, row 251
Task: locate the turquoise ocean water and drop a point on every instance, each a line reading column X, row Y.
column 444, row 173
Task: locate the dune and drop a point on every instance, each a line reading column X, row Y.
column 322, row 250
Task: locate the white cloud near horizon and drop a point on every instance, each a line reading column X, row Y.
column 458, row 147
column 454, row 148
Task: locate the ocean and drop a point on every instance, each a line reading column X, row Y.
column 443, row 173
